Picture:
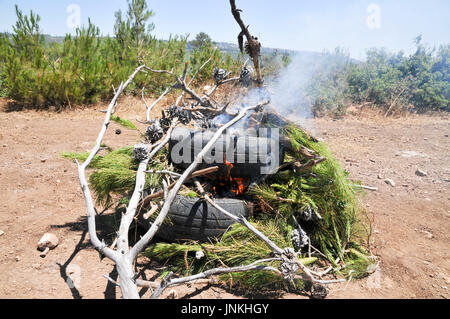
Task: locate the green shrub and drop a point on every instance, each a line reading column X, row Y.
column 392, row 82
column 84, row 68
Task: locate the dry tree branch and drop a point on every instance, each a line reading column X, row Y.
column 121, row 256
column 198, row 173
column 123, row 264
column 180, row 83
column 208, row 94
column 150, row 108
column 192, row 80
column 152, row 171
column 98, row 244
column 212, row 272
column 199, row 69
column 254, row 47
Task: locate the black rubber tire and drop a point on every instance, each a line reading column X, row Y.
column 196, row 140
column 196, row 219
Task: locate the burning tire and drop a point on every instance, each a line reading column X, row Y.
column 196, row 219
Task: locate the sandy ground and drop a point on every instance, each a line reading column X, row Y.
column 39, row 192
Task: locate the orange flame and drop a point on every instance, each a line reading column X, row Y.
column 237, row 184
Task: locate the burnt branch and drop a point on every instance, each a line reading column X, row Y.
column 252, row 46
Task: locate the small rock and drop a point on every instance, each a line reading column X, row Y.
column 428, row 234
column 389, row 182
column 380, row 176
column 47, row 242
column 2, row 232
column 118, row 132
column 43, row 160
column 58, row 181
column 17, row 258
column 419, row 172
column 5, row 145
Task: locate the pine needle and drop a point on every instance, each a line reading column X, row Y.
column 124, row 122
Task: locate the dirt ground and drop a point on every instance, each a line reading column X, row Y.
column 39, row 192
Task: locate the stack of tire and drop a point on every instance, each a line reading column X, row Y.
column 195, row 218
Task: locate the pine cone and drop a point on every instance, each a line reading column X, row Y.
column 183, row 115
column 318, row 292
column 141, row 152
column 299, row 238
column 309, row 214
column 154, row 132
column 220, row 75
column 245, row 76
column 165, row 123
column 172, row 111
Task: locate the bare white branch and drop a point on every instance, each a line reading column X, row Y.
column 215, row 271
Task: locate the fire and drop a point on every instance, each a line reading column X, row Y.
column 236, row 185
column 239, row 181
column 229, row 166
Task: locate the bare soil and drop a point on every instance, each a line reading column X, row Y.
column 39, row 192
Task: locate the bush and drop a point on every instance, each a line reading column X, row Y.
column 84, row 68
column 329, row 89
column 392, row 82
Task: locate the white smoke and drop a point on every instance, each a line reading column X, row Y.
column 289, row 90
column 294, row 89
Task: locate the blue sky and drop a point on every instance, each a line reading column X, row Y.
column 290, row 24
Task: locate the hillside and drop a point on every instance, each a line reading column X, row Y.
column 224, row 47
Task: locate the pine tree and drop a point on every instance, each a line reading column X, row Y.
column 27, row 34
column 134, row 33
